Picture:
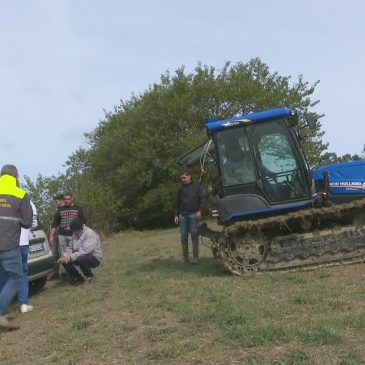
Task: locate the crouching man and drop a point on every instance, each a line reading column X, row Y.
column 85, row 251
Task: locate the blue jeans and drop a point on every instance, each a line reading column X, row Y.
column 189, row 223
column 24, row 289
column 23, row 294
column 11, row 263
column 3, row 278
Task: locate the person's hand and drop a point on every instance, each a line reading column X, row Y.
column 176, row 220
column 64, row 260
column 198, row 215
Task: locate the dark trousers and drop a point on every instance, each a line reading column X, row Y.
column 85, row 262
column 56, row 254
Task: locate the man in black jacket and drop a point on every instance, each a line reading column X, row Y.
column 189, row 205
column 61, row 223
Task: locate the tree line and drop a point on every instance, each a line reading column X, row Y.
column 127, row 177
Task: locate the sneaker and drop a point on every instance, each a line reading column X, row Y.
column 5, row 323
column 24, row 308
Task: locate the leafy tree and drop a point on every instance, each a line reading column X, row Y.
column 133, row 151
column 42, row 192
column 128, row 175
column 331, row 158
column 92, row 195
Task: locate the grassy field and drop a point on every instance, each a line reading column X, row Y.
column 146, row 308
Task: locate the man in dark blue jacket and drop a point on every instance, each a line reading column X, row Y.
column 15, row 212
column 189, row 205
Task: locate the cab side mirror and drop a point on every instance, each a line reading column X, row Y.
column 311, row 120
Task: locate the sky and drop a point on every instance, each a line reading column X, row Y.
column 65, row 63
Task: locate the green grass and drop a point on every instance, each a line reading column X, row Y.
column 146, row 308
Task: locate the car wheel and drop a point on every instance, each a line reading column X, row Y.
column 38, row 284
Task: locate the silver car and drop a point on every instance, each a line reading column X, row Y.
column 41, row 261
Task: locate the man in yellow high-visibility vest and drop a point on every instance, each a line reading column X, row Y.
column 15, row 212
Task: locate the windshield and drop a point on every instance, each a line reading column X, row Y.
column 277, row 162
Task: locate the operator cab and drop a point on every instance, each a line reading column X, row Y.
column 261, row 166
column 260, row 156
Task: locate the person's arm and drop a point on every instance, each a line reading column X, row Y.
column 35, row 216
column 26, row 212
column 177, row 205
column 201, row 198
column 54, row 225
column 51, row 235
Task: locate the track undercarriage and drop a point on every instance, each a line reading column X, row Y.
column 295, row 241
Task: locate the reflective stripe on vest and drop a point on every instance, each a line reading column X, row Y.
column 9, row 219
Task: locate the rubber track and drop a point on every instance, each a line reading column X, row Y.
column 296, row 251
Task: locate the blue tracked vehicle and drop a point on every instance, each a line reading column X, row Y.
column 276, row 212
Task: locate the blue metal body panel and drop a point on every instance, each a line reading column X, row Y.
column 273, row 209
column 214, row 125
column 347, row 178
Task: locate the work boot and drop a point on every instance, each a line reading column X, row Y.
column 89, row 279
column 185, row 256
column 76, row 280
column 195, row 259
column 6, row 324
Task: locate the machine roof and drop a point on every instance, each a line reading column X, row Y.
column 214, row 125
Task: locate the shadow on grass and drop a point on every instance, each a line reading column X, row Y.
column 206, row 267
column 57, row 284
